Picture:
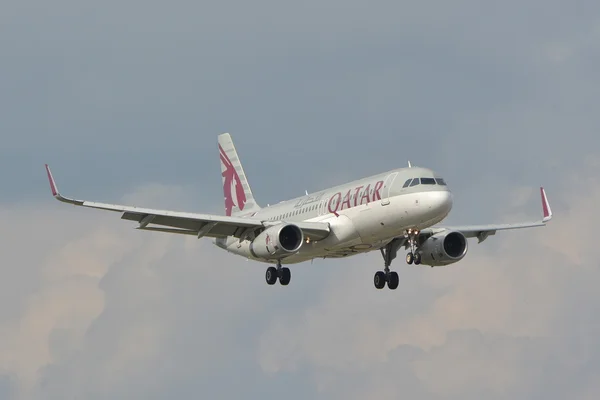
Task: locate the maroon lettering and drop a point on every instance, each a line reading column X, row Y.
column 376, row 194
column 337, row 203
column 346, row 202
column 356, row 195
column 366, row 195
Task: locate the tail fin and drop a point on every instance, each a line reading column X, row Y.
column 238, row 195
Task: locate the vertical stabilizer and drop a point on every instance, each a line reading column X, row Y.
column 238, row 195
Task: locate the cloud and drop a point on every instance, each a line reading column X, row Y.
column 498, row 99
column 102, row 310
column 490, row 325
column 118, row 312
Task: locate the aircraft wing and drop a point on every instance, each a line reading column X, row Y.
column 185, row 223
column 481, row 232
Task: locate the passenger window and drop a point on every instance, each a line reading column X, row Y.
column 427, row 181
column 440, row 181
column 407, row 183
column 415, row 182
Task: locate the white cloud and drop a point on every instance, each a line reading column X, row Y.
column 97, row 308
column 484, row 327
column 92, row 308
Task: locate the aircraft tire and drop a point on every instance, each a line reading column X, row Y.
column 417, row 259
column 271, row 275
column 410, row 258
column 286, row 276
column 393, row 280
column 379, row 280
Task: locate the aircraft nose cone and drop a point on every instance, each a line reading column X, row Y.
column 441, row 201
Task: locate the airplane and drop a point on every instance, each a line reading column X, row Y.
column 387, row 211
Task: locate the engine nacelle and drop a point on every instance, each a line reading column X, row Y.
column 277, row 242
column 443, row 248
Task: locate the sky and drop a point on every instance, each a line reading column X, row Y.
column 125, row 99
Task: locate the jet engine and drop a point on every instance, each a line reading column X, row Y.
column 277, row 242
column 443, row 248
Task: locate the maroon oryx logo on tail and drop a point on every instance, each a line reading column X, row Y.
column 231, row 178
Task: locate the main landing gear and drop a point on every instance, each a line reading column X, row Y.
column 391, row 277
column 389, row 253
column 284, row 274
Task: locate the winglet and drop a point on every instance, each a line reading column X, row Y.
column 53, row 187
column 55, row 191
column 545, row 206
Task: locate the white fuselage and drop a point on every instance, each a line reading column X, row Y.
column 364, row 215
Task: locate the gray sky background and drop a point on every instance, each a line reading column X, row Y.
column 125, row 98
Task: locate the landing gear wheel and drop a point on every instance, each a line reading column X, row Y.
column 412, row 239
column 285, row 275
column 379, row 279
column 417, row 259
column 393, row 280
column 271, row 275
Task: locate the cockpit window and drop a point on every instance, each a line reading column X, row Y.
column 407, row 183
column 440, row 181
column 427, row 181
column 415, row 182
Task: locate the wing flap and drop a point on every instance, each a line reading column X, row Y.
column 314, row 230
column 199, row 224
column 167, row 230
column 481, row 232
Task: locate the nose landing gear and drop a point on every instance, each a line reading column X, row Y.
column 413, row 256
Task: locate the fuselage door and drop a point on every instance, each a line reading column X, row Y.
column 385, row 190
